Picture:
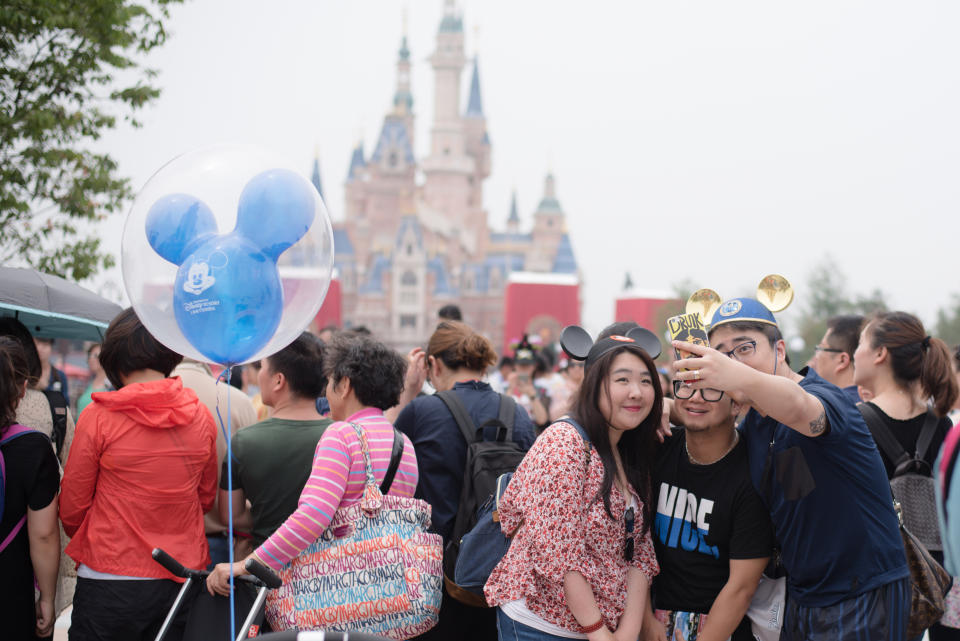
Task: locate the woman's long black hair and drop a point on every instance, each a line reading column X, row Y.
column 636, row 446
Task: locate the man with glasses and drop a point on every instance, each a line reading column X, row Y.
column 814, row 463
column 833, row 355
column 712, row 533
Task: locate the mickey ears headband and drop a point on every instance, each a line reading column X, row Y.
column 774, row 292
column 576, row 342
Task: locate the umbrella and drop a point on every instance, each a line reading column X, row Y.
column 52, row 307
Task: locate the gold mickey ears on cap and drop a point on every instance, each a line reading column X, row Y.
column 704, row 302
column 775, row 292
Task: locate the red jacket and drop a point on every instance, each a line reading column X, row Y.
column 141, row 473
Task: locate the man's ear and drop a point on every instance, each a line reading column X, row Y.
column 735, row 408
column 843, row 361
column 781, row 348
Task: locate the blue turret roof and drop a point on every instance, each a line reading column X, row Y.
column 475, row 103
column 452, row 21
column 341, row 242
column 413, row 224
column 315, row 178
column 565, row 263
column 404, row 53
column 356, row 161
column 514, row 216
column 393, row 134
column 374, row 282
column 441, row 281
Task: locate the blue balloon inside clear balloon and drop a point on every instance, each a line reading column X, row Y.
column 228, row 298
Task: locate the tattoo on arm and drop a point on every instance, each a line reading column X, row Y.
column 819, row 424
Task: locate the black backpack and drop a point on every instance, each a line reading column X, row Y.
column 912, row 482
column 486, row 461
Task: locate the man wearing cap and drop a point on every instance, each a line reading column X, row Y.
column 815, row 465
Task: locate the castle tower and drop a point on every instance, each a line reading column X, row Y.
column 403, row 98
column 549, row 228
column 449, row 171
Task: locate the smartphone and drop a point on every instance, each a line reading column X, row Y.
column 688, row 328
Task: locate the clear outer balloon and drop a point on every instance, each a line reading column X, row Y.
column 227, row 254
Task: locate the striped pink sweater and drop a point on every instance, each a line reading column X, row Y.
column 338, row 478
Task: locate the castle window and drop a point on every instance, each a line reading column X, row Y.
column 392, row 159
column 408, row 321
column 409, row 249
column 408, row 279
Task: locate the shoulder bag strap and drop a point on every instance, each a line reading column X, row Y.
column 467, row 427
column 884, row 438
column 395, row 457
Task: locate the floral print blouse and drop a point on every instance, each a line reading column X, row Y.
column 564, row 530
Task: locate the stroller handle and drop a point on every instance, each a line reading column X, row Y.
column 173, row 566
column 262, row 572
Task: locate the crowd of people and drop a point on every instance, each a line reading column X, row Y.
column 651, row 502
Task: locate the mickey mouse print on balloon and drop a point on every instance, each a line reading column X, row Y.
column 227, row 296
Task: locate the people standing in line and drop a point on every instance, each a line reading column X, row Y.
column 904, row 368
column 51, row 378
column 581, row 558
column 98, row 379
column 712, row 533
column 272, row 459
column 813, row 461
column 456, row 359
column 217, row 397
column 30, row 535
column 833, row 356
column 141, row 475
column 364, row 378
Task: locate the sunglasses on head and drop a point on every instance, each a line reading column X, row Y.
column 628, row 521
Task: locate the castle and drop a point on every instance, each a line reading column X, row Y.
column 416, row 234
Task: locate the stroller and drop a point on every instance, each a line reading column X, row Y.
column 209, row 616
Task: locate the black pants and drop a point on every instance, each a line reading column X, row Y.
column 124, row 610
column 460, row 621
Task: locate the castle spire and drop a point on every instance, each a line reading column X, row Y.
column 403, row 98
column 475, row 103
column 315, row 178
column 514, row 217
column 357, row 161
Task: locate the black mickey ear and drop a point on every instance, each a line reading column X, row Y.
column 576, row 341
column 647, row 340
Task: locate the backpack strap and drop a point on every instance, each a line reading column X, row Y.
column 12, row 432
column 926, row 434
column 467, row 427
column 58, row 412
column 507, row 414
column 395, row 457
column 583, row 435
column 882, row 435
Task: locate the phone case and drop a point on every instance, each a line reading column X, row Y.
column 688, row 328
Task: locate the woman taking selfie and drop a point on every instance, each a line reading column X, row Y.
column 582, row 558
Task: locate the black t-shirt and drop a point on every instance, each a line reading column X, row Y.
column 706, row 515
column 908, row 433
column 32, row 480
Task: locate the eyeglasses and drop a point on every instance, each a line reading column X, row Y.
column 628, row 519
column 744, row 350
column 818, row 348
column 683, row 391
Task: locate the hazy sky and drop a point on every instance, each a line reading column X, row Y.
column 715, row 142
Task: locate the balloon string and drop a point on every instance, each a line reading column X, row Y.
column 226, row 375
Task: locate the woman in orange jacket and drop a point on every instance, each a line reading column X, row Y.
column 141, row 473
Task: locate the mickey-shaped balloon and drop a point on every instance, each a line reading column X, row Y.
column 228, row 298
column 576, row 342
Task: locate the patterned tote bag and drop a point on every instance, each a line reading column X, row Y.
column 375, row 569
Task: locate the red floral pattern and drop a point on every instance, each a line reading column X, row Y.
column 562, row 533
